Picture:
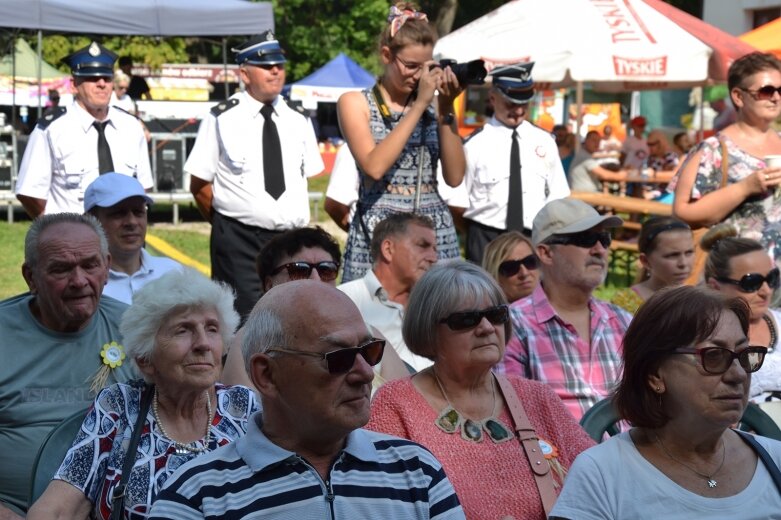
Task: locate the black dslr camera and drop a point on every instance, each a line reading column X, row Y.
column 469, row 73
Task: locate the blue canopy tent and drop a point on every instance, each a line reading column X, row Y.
column 327, row 83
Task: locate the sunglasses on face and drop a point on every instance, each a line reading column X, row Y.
column 470, row 319
column 267, row 66
column 763, row 93
column 717, row 360
column 587, row 239
column 752, row 282
column 327, row 271
column 342, row 360
column 511, row 267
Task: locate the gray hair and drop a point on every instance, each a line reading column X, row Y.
column 263, row 330
column 32, row 240
column 175, row 291
column 441, row 291
column 393, row 226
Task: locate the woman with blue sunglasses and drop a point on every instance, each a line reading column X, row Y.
column 741, row 267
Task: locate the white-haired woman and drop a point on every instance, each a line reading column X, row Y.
column 174, row 333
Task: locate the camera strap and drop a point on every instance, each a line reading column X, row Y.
column 385, row 112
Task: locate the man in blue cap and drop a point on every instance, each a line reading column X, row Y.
column 70, row 147
column 248, row 168
column 120, row 204
column 512, row 166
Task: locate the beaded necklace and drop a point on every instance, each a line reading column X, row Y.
column 772, row 328
column 180, row 447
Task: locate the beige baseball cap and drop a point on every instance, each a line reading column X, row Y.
column 566, row 216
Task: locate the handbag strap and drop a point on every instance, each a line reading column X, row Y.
column 118, row 496
column 764, row 456
column 529, row 441
column 724, row 162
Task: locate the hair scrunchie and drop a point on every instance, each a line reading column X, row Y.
column 397, row 18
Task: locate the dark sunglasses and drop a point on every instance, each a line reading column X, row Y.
column 342, row 360
column 470, row 319
column 267, row 66
column 717, row 360
column 511, row 267
column 764, row 93
column 751, row 282
column 327, row 271
column 587, row 239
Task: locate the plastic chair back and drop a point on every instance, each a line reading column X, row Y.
column 52, row 452
column 602, row 418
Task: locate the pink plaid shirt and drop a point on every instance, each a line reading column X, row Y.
column 546, row 348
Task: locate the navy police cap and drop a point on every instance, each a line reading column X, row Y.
column 262, row 49
column 515, row 81
column 91, row 61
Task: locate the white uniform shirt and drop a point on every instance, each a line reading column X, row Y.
column 487, row 177
column 385, row 315
column 122, row 286
column 343, row 183
column 61, row 159
column 228, row 153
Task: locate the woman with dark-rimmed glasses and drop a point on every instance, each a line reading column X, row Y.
column 457, row 316
column 740, row 267
column 510, row 259
column 725, row 178
column 688, row 364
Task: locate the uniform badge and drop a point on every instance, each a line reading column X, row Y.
column 540, row 151
column 94, row 50
column 269, row 36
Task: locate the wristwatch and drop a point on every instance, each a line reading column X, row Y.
column 447, row 119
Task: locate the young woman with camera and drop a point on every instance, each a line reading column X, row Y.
column 398, row 138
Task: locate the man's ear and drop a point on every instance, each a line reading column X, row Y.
column 387, row 249
column 27, row 274
column 264, row 371
column 544, row 253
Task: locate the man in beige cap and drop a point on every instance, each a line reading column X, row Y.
column 562, row 335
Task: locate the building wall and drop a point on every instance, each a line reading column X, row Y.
column 738, row 16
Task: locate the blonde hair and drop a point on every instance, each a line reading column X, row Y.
column 497, row 250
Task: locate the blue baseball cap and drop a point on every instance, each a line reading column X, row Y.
column 93, row 60
column 262, row 49
column 112, row 188
column 515, row 82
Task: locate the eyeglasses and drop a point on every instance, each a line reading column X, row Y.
column 412, row 68
column 511, row 267
column 752, row 282
column 763, row 93
column 342, row 360
column 470, row 319
column 587, row 239
column 327, row 271
column 717, row 360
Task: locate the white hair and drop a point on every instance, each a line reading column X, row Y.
column 173, row 292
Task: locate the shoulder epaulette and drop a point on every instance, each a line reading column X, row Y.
column 477, row 131
column 51, row 116
column 131, row 114
column 223, row 107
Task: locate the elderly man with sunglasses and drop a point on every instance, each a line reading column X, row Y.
column 562, row 335
column 306, row 454
column 249, row 168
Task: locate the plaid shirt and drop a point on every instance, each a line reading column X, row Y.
column 546, row 348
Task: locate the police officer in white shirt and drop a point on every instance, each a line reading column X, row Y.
column 509, row 160
column 249, row 167
column 71, row 146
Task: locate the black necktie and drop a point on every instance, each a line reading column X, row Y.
column 105, row 163
column 273, row 173
column 515, row 200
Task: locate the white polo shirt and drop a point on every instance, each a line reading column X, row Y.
column 122, row 286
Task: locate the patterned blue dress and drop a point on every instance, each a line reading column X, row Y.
column 395, row 192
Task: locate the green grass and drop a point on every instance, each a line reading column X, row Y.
column 12, row 253
column 192, row 243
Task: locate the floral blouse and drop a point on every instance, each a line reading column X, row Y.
column 758, row 217
column 94, row 462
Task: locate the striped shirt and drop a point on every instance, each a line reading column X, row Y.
column 375, row 476
column 546, row 348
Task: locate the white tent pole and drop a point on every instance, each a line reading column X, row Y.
column 579, row 118
column 701, row 131
column 225, row 66
column 13, row 83
column 40, row 70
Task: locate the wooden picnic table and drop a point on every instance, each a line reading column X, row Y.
column 624, row 204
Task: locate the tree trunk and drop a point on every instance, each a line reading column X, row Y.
column 445, row 17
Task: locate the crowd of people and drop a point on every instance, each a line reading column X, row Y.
column 392, row 378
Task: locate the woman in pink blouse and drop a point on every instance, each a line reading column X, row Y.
column 457, row 316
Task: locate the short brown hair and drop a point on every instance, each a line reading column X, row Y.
column 672, row 318
column 723, row 244
column 394, row 225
